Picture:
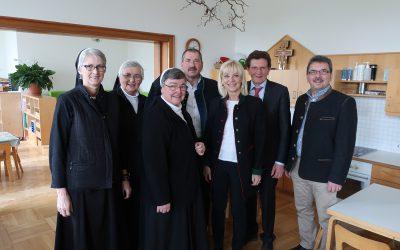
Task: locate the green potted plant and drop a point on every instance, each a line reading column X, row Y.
column 33, row 77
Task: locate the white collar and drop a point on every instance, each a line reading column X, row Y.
column 173, row 107
column 126, row 93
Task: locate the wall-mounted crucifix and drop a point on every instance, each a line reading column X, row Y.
column 283, row 54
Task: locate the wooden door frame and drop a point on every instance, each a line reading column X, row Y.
column 165, row 42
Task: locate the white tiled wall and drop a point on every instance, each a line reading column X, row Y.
column 375, row 128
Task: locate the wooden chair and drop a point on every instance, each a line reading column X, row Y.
column 3, row 159
column 343, row 235
column 17, row 161
column 318, row 239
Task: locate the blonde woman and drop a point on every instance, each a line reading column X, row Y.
column 235, row 140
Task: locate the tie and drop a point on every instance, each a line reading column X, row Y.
column 257, row 91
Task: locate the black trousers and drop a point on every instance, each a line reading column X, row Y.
column 226, row 177
column 267, row 199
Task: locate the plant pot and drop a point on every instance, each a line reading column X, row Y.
column 35, row 90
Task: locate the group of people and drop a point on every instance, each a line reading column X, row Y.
column 146, row 173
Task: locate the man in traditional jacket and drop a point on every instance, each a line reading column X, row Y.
column 321, row 148
column 173, row 215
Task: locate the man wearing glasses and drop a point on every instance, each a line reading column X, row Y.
column 322, row 143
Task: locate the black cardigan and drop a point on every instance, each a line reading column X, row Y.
column 206, row 91
column 328, row 139
column 249, row 129
column 277, row 122
column 170, row 163
column 84, row 140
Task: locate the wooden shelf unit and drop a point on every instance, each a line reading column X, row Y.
column 37, row 117
column 350, row 87
column 10, row 113
column 385, row 61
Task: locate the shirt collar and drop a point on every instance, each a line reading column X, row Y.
column 263, row 84
column 319, row 94
column 190, row 86
column 173, row 107
column 126, row 93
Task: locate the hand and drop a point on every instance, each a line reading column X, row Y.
column 64, row 205
column 200, row 148
column 207, row 173
column 287, row 174
column 332, row 187
column 126, row 189
column 255, row 179
column 164, row 208
column 277, row 171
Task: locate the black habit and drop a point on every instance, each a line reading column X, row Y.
column 171, row 175
column 84, row 159
column 132, row 121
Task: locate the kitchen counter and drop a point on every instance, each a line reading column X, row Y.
column 381, row 158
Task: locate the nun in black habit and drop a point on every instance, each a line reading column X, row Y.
column 86, row 163
column 173, row 215
column 127, row 83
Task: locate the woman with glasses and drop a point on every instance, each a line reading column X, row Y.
column 86, row 161
column 234, row 157
column 130, row 76
column 173, row 215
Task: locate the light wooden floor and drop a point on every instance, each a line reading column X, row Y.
column 28, row 208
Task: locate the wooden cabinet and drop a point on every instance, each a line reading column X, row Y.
column 37, row 117
column 290, row 79
column 393, row 93
column 386, row 62
column 10, row 113
column 385, row 175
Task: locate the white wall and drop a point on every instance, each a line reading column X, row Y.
column 144, row 54
column 324, row 27
column 150, row 15
column 59, row 53
column 8, row 52
column 376, row 129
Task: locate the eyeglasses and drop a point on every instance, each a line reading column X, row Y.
column 99, row 68
column 176, row 87
column 323, row 72
column 133, row 77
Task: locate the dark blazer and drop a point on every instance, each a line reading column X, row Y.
column 328, row 139
column 132, row 123
column 249, row 126
column 85, row 140
column 207, row 90
column 277, row 123
column 170, row 163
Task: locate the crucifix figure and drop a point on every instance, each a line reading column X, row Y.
column 283, row 54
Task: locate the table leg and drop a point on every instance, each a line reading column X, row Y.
column 330, row 236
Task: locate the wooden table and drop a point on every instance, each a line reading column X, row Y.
column 7, row 141
column 375, row 208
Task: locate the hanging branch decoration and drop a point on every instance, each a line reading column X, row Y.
column 228, row 13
